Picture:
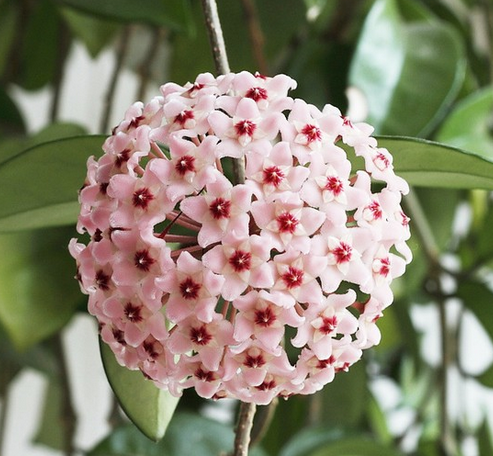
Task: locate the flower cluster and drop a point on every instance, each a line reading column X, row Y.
column 251, row 287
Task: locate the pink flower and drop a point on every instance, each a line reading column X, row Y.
column 202, row 282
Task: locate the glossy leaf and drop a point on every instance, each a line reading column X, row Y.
column 94, row 32
column 408, row 71
column 355, row 447
column 38, row 187
column 169, row 13
column 149, row 407
column 430, row 164
column 39, row 54
column 469, row 125
column 38, row 293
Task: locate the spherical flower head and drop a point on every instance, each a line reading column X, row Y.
column 200, row 281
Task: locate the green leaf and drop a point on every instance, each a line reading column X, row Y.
column 308, row 440
column 431, row 164
column 11, row 120
column 39, row 53
column 38, row 293
column 39, row 185
column 8, row 22
column 49, row 432
column 345, row 399
column 469, row 125
column 485, row 442
column 478, row 298
column 486, row 378
column 356, row 447
column 94, row 32
column 161, row 13
column 188, row 434
column 408, row 71
column 149, row 407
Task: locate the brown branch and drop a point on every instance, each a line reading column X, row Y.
column 216, row 38
column 110, row 94
column 243, row 429
column 146, row 65
column 63, row 49
column 256, row 35
column 68, row 417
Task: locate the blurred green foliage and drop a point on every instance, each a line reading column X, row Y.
column 423, row 68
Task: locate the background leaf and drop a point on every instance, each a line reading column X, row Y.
column 469, row 125
column 149, row 407
column 430, row 164
column 61, row 167
column 169, row 13
column 94, row 32
column 39, row 52
column 38, row 293
column 395, row 60
column 355, row 447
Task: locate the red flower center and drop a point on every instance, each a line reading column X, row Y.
column 200, row 335
column 273, row 175
column 185, row 164
column 133, row 313
column 220, row 208
column 245, row 128
column 287, row 222
column 240, row 260
column 256, row 94
column 334, row 185
column 189, row 289
column 343, row 253
column 142, row 198
column 312, row 133
column 293, row 277
column 265, row 317
column 143, row 261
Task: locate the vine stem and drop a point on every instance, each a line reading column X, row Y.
column 244, row 428
column 216, row 39
column 110, row 94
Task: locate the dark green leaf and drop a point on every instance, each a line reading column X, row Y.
column 11, row 120
column 344, row 401
column 38, row 293
column 356, row 447
column 169, row 13
column 430, row 164
column 39, row 186
column 188, row 434
column 8, row 22
column 485, row 444
column 95, row 33
column 308, row 440
column 478, row 298
column 149, row 407
column 469, row 125
column 439, row 206
column 408, row 71
column 486, row 378
column 39, row 54
column 50, row 431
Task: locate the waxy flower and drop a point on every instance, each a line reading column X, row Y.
column 254, row 289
